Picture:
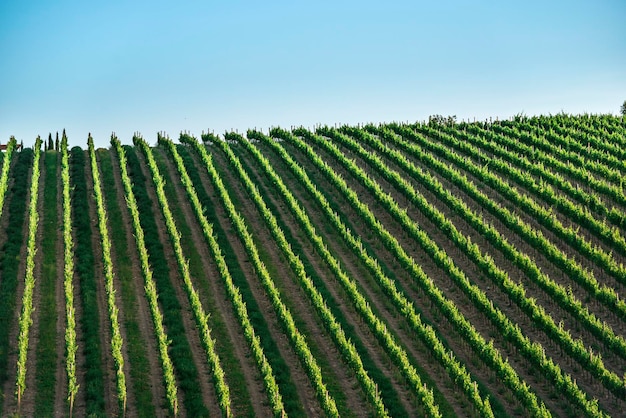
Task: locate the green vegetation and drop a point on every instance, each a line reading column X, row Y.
column 10, row 256
column 26, row 320
column 438, row 269
column 116, row 337
column 135, row 342
column 71, row 346
column 45, row 368
column 201, row 316
column 85, row 273
column 271, row 384
column 151, row 292
column 515, row 291
column 224, row 257
column 458, row 372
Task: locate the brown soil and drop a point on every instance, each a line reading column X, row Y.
column 80, row 402
column 4, row 223
column 4, row 216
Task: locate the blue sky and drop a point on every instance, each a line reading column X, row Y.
column 152, row 66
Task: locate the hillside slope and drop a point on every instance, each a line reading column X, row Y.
column 468, row 269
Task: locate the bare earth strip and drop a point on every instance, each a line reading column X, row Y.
column 131, row 410
column 80, row 404
column 4, row 220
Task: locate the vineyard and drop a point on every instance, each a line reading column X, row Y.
column 427, row 269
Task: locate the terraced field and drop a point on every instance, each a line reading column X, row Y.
column 466, row 269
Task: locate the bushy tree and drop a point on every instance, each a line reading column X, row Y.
column 439, row 120
column 623, row 109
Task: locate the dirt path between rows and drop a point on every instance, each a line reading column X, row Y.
column 130, row 403
column 130, row 410
column 4, row 217
column 4, row 223
column 80, row 402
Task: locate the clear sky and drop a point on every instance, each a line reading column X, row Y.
column 152, row 66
